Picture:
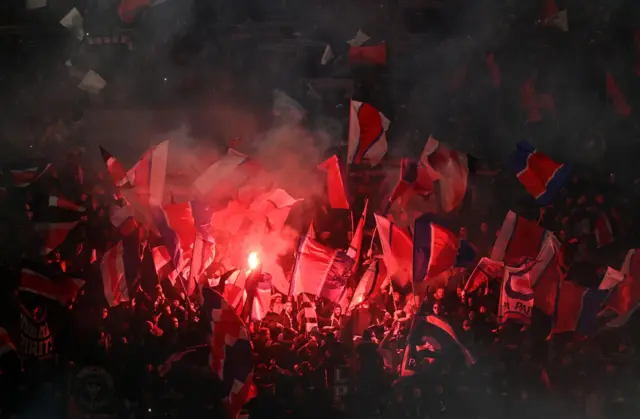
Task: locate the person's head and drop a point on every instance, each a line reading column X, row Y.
column 105, row 313
column 175, row 303
column 396, row 296
column 436, row 309
column 439, row 294
column 167, row 309
column 484, row 227
column 337, row 311
column 176, row 322
column 288, row 307
column 460, row 293
column 483, row 310
column 472, row 315
column 466, row 325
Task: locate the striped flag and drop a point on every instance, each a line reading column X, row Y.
column 397, row 251
column 336, row 191
column 518, row 238
column 21, row 178
column 541, row 176
column 36, row 279
column 369, row 285
column 367, row 141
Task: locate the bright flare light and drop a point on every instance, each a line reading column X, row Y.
column 253, row 260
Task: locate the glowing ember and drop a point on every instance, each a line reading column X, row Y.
column 253, row 260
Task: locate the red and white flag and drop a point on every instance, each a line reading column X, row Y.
column 113, row 280
column 397, row 250
column 355, row 247
column 53, row 234
column 452, row 170
column 35, row 281
column 367, row 141
column 369, row 285
column 486, row 270
column 518, row 238
column 336, row 191
column 624, row 299
column 21, row 178
column 59, row 202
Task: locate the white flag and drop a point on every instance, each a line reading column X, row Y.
column 74, row 22
column 92, row 83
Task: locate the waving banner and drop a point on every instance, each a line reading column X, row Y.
column 516, row 295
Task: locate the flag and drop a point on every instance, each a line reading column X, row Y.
column 231, row 357
column 534, row 103
column 541, row 176
column 320, row 270
column 115, row 169
column 494, row 70
column 547, row 275
column 309, row 314
column 261, row 297
column 149, row 174
column 370, row 54
column 578, row 306
column 369, row 285
column 36, row 279
column 518, row 238
column 367, row 141
column 165, row 368
column 175, row 224
column 163, row 264
column 21, row 178
column 415, row 178
column 516, row 294
column 624, row 299
column 603, row 231
column 355, row 246
column 123, row 219
column 618, row 99
column 204, row 248
column 53, row 234
column 431, row 336
column 225, row 176
column 234, row 286
column 59, row 202
column 113, row 276
column 286, row 107
column 486, row 270
column 336, row 190
column 435, row 250
column 453, row 170
column 397, row 251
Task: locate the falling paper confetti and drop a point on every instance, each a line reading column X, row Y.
column 92, row 83
column 74, row 22
column 359, row 40
column 35, row 4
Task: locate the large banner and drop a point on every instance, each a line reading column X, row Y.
column 516, row 295
column 36, row 338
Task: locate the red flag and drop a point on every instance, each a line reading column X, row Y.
column 397, row 249
column 518, row 238
column 486, row 270
column 53, row 234
column 59, row 202
column 335, row 185
column 617, row 97
column 376, row 55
